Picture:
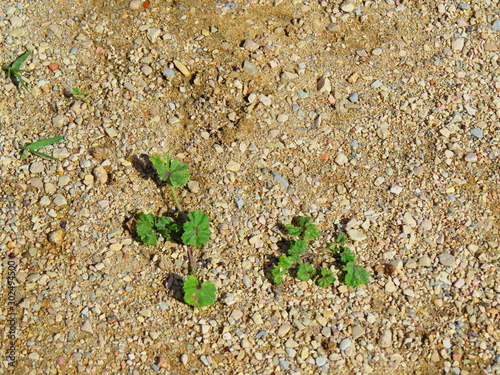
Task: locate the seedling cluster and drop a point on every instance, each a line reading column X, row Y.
column 194, row 230
column 296, row 257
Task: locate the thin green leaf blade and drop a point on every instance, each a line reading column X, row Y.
column 43, row 143
column 43, row 155
column 20, row 60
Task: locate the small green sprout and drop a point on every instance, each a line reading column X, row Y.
column 195, row 230
column 79, row 95
column 355, row 275
column 33, row 147
column 13, row 70
column 305, row 229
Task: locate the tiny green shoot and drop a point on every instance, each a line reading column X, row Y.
column 79, row 94
column 13, row 70
column 33, row 147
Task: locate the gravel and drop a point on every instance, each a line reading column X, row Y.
column 380, row 119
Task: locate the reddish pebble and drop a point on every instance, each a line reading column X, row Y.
column 53, row 66
column 162, row 362
column 146, row 4
column 324, row 157
column 60, row 361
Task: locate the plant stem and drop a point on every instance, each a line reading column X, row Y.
column 178, row 203
column 192, row 264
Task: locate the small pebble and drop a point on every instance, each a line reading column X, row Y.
column 478, row 133
column 249, row 68
column 250, row 45
column 344, row 344
column 446, row 259
column 354, row 97
column 233, row 166
column 471, row 157
column 347, row 7
column 341, row 159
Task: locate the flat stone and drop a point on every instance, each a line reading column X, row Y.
column 282, row 118
column 233, row 166
column 136, row 5
column 266, row 100
column 59, row 120
column 182, row 68
column 446, row 259
column 284, row 329
column 341, row 159
column 357, row 332
column 249, row 68
column 356, row 235
column 496, row 25
column 236, row 314
column 385, row 340
column 321, row 361
column 37, row 167
column 390, row 287
column 324, row 85
column 396, row 189
column 15, row 21
column 153, row 34
column 281, row 180
column 100, row 175
column 59, row 200
column 377, row 51
column 471, row 157
column 344, row 344
column 478, row 133
column 250, row 45
column 87, row 327
column 347, row 7
column 458, row 44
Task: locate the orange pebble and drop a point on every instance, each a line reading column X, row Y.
column 53, row 66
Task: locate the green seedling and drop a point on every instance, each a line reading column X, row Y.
column 33, row 147
column 303, row 228
column 79, row 95
column 355, row 275
column 297, row 253
column 13, row 70
column 194, row 231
